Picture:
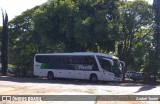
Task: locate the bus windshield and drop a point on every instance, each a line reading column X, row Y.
column 116, row 68
column 117, row 64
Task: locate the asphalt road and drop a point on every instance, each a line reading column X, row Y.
column 36, row 86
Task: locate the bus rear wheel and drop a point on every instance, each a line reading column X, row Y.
column 93, row 78
column 50, row 75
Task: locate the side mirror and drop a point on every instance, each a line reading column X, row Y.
column 122, row 63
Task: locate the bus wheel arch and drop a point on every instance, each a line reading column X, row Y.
column 50, row 75
column 93, row 77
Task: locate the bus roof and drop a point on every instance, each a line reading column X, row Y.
column 80, row 54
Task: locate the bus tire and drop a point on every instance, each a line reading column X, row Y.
column 50, row 75
column 93, row 78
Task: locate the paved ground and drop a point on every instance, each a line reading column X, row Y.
column 35, row 86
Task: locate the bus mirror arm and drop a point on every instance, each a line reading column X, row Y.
column 122, row 63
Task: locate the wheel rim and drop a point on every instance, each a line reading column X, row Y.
column 50, row 76
column 93, row 78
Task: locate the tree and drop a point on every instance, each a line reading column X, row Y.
column 93, row 28
column 156, row 7
column 81, row 25
column 22, row 43
column 135, row 27
column 4, row 50
column 156, row 40
column 65, row 26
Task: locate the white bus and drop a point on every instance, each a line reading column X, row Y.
column 78, row 65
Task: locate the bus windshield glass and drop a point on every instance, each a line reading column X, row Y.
column 106, row 65
column 117, row 68
column 117, row 64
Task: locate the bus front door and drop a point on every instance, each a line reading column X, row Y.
column 106, row 75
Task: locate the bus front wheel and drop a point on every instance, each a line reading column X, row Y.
column 93, row 78
column 50, row 75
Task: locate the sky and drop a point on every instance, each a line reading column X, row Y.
column 16, row 7
column 150, row 1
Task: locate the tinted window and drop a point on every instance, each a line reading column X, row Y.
column 39, row 59
column 66, row 62
column 57, row 59
column 86, row 60
column 104, row 63
column 43, row 59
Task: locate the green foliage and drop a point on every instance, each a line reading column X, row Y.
column 136, row 20
column 82, row 25
column 151, row 67
column 65, row 26
column 152, row 64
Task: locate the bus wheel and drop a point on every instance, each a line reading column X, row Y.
column 93, row 78
column 50, row 75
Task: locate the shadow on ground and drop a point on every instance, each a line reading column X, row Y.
column 69, row 81
column 146, row 88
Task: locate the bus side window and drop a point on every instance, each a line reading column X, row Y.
column 40, row 59
column 75, row 62
column 91, row 60
column 56, row 60
column 105, row 64
column 46, row 59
